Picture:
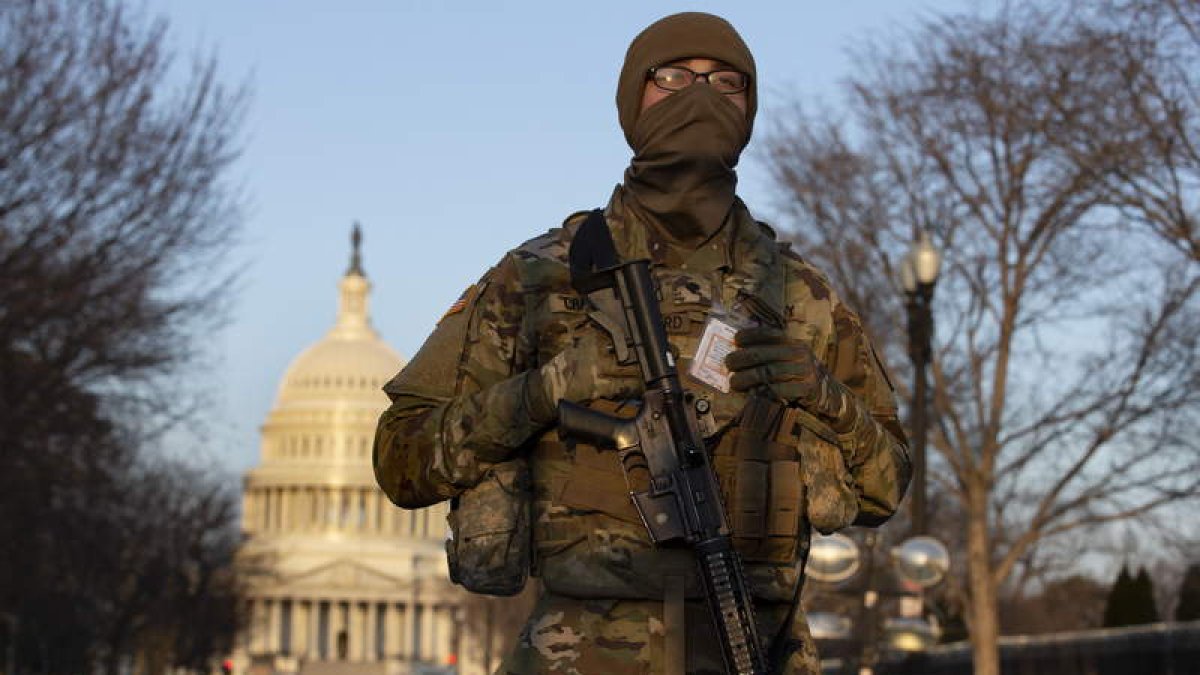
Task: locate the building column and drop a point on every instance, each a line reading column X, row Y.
column 275, row 632
column 335, row 495
column 323, row 508
column 268, row 507
column 268, row 503
column 318, row 508
column 299, row 632
column 314, row 513
column 314, row 627
column 412, row 647
column 429, row 634
column 267, row 626
column 445, row 634
column 370, row 637
column 339, row 499
column 260, row 511
column 393, row 643
column 299, row 515
column 358, row 510
column 281, row 497
column 285, row 509
column 303, row 512
column 388, row 643
column 355, row 650
column 305, row 506
column 364, row 639
column 341, row 623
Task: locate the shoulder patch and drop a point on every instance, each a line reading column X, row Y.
column 463, row 300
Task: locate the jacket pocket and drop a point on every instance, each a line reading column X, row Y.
column 490, row 542
column 830, row 502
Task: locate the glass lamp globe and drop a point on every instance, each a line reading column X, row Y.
column 927, row 262
column 921, row 265
column 923, row 561
column 910, row 634
column 832, row 559
column 829, row 626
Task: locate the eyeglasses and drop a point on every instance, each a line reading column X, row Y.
column 676, row 78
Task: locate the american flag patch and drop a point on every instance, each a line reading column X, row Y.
column 461, row 303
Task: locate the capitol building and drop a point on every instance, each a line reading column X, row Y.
column 343, row 581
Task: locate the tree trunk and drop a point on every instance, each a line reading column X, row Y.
column 983, row 614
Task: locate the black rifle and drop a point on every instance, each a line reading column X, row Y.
column 682, row 501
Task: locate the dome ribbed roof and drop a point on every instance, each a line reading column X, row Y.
column 350, row 363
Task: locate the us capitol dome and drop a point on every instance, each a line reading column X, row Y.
column 342, row 581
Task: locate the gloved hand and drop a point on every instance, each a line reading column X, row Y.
column 787, row 368
column 585, row 371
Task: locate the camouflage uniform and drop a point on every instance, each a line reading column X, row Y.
column 459, row 408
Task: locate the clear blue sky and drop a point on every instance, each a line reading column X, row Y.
column 452, row 132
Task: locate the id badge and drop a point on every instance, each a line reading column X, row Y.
column 708, row 366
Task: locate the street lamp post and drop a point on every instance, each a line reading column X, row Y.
column 918, row 275
column 868, row 615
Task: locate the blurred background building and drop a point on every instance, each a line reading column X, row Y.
column 344, row 582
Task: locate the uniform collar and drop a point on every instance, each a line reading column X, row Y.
column 742, row 249
column 635, row 239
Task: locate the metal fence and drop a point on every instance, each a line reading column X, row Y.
column 1155, row 649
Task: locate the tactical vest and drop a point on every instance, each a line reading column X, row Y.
column 567, row 512
column 780, row 469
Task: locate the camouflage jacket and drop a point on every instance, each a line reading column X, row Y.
column 458, row 408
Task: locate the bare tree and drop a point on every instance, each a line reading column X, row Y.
column 1150, row 115
column 1065, row 370
column 180, row 589
column 116, row 212
column 116, row 222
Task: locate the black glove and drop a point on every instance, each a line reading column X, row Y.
column 766, row 358
column 788, row 369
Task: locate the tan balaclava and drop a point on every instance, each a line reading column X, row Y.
column 681, row 179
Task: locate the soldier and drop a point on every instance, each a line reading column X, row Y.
column 803, row 432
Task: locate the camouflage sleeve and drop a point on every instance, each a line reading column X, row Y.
column 462, row 404
column 872, row 438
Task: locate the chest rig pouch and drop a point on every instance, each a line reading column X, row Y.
column 778, row 467
column 488, row 550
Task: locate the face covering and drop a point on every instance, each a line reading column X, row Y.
column 681, row 179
